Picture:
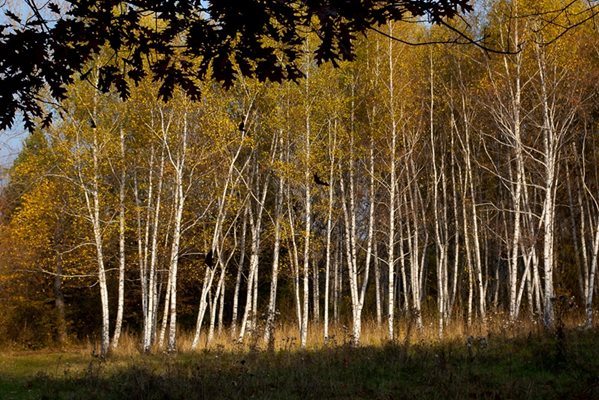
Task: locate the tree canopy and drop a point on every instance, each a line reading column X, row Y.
column 179, row 43
column 435, row 188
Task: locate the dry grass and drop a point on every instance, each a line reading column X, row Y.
column 286, row 336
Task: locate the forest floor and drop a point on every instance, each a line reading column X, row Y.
column 524, row 366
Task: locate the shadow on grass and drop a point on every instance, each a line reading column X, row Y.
column 482, row 368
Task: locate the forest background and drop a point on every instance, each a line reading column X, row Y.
column 419, row 186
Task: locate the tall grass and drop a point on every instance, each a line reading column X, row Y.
column 286, row 335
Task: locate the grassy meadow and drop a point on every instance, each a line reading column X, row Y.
column 517, row 361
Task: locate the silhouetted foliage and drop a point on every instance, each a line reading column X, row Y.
column 179, row 43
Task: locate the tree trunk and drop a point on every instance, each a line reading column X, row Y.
column 121, row 293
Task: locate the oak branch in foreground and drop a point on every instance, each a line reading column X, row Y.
column 179, row 43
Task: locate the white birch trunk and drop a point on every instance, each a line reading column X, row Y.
column 307, row 231
column 206, row 289
column 178, row 164
column 239, row 274
column 121, row 292
column 272, row 301
column 392, row 194
column 332, row 149
column 151, row 279
column 589, row 284
column 440, row 241
column 213, row 311
column 256, row 231
column 92, row 201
